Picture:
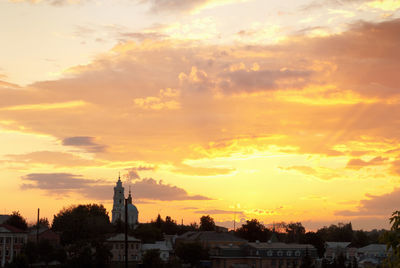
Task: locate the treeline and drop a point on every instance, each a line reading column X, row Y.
column 294, row 232
column 85, row 227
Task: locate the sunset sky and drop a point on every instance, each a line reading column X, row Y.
column 278, row 110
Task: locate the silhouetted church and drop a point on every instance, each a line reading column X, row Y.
column 118, row 211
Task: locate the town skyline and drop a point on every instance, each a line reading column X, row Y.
column 274, row 110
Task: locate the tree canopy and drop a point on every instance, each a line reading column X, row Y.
column 17, row 221
column 82, row 222
column 207, row 223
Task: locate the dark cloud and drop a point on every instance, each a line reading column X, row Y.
column 357, row 163
column 133, row 173
column 149, row 188
column 55, row 181
column 375, row 205
column 61, row 183
column 250, row 81
column 84, row 142
column 159, row 6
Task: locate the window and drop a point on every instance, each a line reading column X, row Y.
column 297, row 253
column 7, row 252
column 116, row 246
column 288, row 253
column 269, row 253
column 280, row 253
column 8, row 240
column 1, row 240
column 15, row 240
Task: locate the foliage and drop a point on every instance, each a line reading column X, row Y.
column 17, row 221
column 339, row 233
column 294, row 232
column 147, row 232
column 87, row 255
column 191, row 253
column 306, row 261
column 392, row 240
column 151, row 259
column 207, row 223
column 316, row 240
column 82, row 222
column 253, row 230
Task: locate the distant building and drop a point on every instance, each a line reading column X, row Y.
column 334, row 249
column 45, row 233
column 118, row 211
column 3, row 218
column 210, row 239
column 164, row 247
column 268, row 255
column 117, row 246
column 372, row 255
column 11, row 242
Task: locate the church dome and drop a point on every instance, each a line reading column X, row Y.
column 132, row 208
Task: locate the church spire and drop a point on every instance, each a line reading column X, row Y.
column 129, row 196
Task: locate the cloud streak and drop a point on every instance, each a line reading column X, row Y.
column 147, row 188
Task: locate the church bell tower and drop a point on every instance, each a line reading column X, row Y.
column 118, row 204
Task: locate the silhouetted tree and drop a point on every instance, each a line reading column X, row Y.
column 340, row 233
column 207, row 223
column 148, row 233
column 191, row 253
column 316, row 240
column 82, row 222
column 253, row 230
column 360, row 239
column 294, row 232
column 392, row 240
column 17, row 221
column 306, row 260
column 151, row 259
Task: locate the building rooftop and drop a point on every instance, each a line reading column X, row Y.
column 161, row 245
column 279, row 245
column 210, row 236
column 121, row 238
column 373, row 247
column 337, row 244
column 3, row 218
column 5, row 228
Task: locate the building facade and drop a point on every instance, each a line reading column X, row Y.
column 117, row 248
column 11, row 242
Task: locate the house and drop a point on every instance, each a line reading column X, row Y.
column 3, row 218
column 45, row 233
column 334, row 249
column 210, row 239
column 263, row 255
column 11, row 242
column 372, row 255
column 117, row 245
column 164, row 247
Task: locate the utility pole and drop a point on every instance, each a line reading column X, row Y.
column 126, row 233
column 37, row 226
column 234, row 220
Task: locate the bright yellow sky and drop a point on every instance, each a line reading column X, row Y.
column 278, row 110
